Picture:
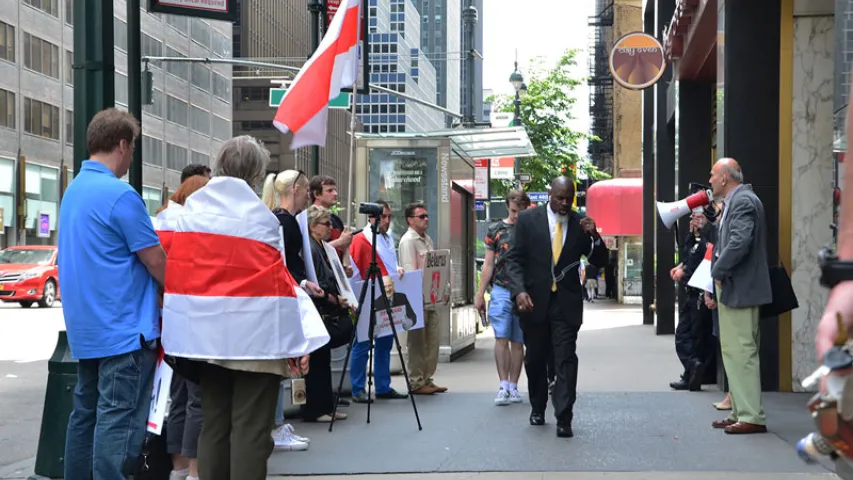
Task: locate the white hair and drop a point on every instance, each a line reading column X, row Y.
column 242, row 157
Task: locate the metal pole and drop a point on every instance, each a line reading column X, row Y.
column 517, row 123
column 94, row 68
column 469, row 17
column 315, row 7
column 134, row 86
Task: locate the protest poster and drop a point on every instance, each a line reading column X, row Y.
column 436, row 279
column 406, row 300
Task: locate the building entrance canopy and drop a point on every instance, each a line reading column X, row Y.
column 475, row 142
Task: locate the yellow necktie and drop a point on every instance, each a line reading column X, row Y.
column 557, row 247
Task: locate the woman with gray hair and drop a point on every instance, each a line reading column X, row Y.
column 239, row 313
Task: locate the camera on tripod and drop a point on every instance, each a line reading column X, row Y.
column 370, row 209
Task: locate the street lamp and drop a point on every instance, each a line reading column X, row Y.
column 517, row 81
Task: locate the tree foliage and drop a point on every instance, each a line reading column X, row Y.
column 545, row 113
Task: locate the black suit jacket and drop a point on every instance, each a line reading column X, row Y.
column 530, row 265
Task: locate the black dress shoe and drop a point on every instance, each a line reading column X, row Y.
column 565, row 431
column 537, row 419
column 679, row 385
column 392, row 395
column 343, row 403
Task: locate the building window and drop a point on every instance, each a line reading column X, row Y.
column 41, row 119
column 41, row 56
column 7, row 109
column 221, row 45
column 50, row 7
column 221, row 87
column 69, row 68
column 180, row 23
column 178, row 69
column 120, row 88
column 156, row 107
column 199, row 120
column 7, row 42
column 152, row 198
column 177, row 110
column 200, row 158
column 200, row 32
column 152, row 151
column 151, row 47
column 42, row 193
column 201, row 76
column 176, row 157
column 69, row 127
column 69, row 12
column 120, row 34
column 221, row 128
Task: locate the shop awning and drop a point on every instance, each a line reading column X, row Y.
column 616, row 206
column 475, row 142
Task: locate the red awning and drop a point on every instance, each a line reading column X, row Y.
column 616, row 206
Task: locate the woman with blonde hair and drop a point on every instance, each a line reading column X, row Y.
column 286, row 194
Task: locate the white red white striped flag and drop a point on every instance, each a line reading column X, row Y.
column 228, row 293
column 305, row 106
column 701, row 277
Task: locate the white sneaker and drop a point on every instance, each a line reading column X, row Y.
column 179, row 474
column 287, row 441
column 515, row 397
column 502, row 398
column 293, row 434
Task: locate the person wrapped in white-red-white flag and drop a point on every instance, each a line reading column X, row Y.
column 228, row 293
column 305, row 107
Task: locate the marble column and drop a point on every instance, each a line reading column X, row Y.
column 812, row 180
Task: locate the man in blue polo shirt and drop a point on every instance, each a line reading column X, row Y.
column 110, row 262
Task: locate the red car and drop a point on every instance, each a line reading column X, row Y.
column 28, row 274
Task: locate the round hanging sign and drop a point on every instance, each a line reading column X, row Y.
column 637, row 61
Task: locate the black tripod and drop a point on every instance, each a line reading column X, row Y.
column 374, row 277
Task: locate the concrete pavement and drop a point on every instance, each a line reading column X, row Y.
column 626, row 420
column 628, row 426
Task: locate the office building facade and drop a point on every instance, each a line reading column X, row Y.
column 441, row 42
column 187, row 123
column 398, row 63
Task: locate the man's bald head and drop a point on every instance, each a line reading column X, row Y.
column 562, row 195
column 726, row 175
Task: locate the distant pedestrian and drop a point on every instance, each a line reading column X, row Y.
column 110, row 262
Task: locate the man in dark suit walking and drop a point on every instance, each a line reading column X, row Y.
column 549, row 296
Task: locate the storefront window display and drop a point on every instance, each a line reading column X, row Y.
column 42, row 195
column 402, row 176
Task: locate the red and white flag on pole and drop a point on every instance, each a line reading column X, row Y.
column 228, row 293
column 305, row 106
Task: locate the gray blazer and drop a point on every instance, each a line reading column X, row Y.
column 741, row 265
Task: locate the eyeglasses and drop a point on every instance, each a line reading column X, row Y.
column 422, row 216
column 326, row 223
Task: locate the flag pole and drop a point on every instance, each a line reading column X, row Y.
column 351, row 155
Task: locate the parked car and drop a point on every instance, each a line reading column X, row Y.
column 28, row 274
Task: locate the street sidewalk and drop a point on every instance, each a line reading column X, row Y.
column 626, row 420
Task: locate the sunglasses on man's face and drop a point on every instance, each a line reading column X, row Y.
column 422, row 217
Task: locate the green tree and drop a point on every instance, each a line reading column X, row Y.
column 545, row 114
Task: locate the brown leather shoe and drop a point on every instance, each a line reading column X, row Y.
column 722, row 423
column 425, row 390
column 438, row 389
column 745, row 428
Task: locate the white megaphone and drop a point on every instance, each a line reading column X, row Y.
column 670, row 212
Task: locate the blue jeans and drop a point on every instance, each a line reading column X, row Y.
column 279, row 406
column 382, row 364
column 107, row 426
